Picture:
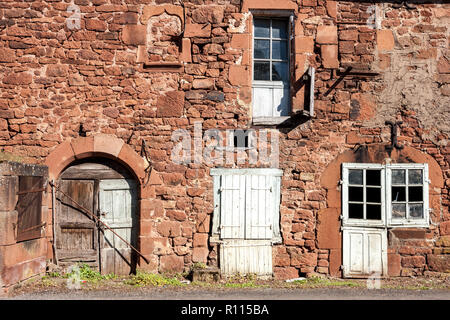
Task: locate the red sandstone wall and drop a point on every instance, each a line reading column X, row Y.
column 53, row 79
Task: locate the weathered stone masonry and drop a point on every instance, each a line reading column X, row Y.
column 138, row 70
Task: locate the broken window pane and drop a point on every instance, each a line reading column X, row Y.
column 398, row 177
column 262, row 70
column 398, row 210
column 415, row 177
column 398, row 193
column 355, row 211
column 373, row 177
column 262, row 49
column 373, row 212
column 416, row 211
column 355, row 176
column 262, row 28
column 373, row 195
column 415, row 194
column 355, row 194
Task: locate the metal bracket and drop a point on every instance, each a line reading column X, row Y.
column 394, row 129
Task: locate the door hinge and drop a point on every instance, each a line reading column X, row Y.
column 341, row 182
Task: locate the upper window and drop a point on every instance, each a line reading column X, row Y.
column 270, row 68
column 395, row 194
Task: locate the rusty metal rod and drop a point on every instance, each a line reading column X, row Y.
column 104, row 224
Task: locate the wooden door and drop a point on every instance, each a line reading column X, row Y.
column 117, row 207
column 76, row 231
column 364, row 252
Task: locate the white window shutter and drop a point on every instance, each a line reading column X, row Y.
column 232, row 206
column 260, row 202
column 312, row 79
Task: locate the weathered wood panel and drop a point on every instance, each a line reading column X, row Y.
column 117, row 204
column 76, row 231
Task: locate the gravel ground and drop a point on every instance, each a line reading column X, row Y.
column 424, row 288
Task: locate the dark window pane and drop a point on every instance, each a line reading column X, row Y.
column 373, row 195
column 398, row 177
column 398, row 194
column 398, row 211
column 279, row 50
column 262, row 70
column 355, row 194
column 416, row 211
column 415, row 194
column 373, row 177
column 355, row 211
column 262, row 49
column 279, row 29
column 280, row 71
column 262, row 28
column 415, row 176
column 373, row 212
column 355, row 176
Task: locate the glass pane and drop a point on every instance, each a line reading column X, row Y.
column 398, row 193
column 280, row 71
column 262, row 49
column 415, row 194
column 355, row 177
column 355, row 194
column 415, row 177
column 398, row 211
column 262, row 71
column 279, row 29
column 398, row 177
column 373, row 177
column 355, row 211
column 262, row 28
column 373, row 212
column 416, row 211
column 279, row 50
column 373, row 195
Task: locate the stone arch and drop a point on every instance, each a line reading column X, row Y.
column 328, row 227
column 111, row 147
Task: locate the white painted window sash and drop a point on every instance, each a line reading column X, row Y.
column 386, row 196
column 408, row 222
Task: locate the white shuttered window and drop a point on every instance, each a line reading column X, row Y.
column 247, row 203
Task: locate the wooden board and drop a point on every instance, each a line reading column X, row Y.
column 117, row 204
column 76, row 231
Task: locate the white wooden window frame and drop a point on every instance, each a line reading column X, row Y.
column 386, row 201
column 424, row 222
column 272, row 14
column 345, row 202
column 218, row 173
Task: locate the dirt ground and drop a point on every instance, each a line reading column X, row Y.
column 157, row 287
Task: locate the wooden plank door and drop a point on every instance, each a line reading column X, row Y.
column 364, row 252
column 244, row 257
column 117, row 206
column 76, row 231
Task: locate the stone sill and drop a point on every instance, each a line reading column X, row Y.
column 162, row 66
column 269, row 121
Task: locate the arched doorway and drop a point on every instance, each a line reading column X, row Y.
column 106, row 189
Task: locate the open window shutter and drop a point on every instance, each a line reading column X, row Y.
column 260, row 201
column 29, row 208
column 232, row 206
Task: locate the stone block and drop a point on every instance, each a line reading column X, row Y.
column 197, row 30
column 9, row 186
column 330, row 56
column 327, row 35
column 439, row 263
column 8, row 227
column 135, row 35
column 171, row 263
column 200, row 254
column 385, row 40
